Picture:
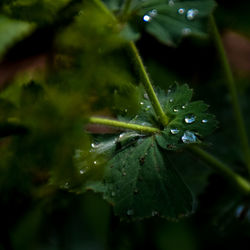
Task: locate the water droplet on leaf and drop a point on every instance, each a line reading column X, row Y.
column 147, row 18
column 113, row 194
column 82, row 171
column 171, row 2
column 191, row 14
column 181, row 11
column 171, row 100
column 190, row 119
column 174, row 131
column 176, row 110
column 130, row 212
column 154, row 213
column 186, row 31
column 204, row 121
column 189, row 137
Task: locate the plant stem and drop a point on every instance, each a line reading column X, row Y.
column 126, row 7
column 147, row 85
column 118, row 124
column 233, row 92
column 103, row 7
column 241, row 183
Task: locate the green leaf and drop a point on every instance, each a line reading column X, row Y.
column 170, row 20
column 141, row 183
column 139, row 179
column 12, row 31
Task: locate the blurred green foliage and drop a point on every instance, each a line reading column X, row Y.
column 43, row 121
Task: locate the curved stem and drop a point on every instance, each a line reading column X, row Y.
column 125, row 125
column 233, row 92
column 126, row 6
column 147, row 85
column 241, row 183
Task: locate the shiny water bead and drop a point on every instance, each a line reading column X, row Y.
column 176, row 110
column 147, row 18
column 130, row 212
column 191, row 14
column 171, row 100
column 189, row 137
column 153, row 12
column 171, row 2
column 181, row 11
column 174, row 131
column 204, row 121
column 82, row 171
column 186, row 31
column 95, row 162
column 189, row 119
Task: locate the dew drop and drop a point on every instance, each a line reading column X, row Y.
column 189, row 137
column 147, row 108
column 124, row 173
column 82, row 171
column 171, row 2
column 66, row 185
column 181, row 11
column 153, row 12
column 141, row 103
column 154, row 213
column 147, row 18
column 176, row 110
column 95, row 162
column 169, row 90
column 186, row 31
column 204, row 121
column 93, row 145
column 125, row 110
column 191, row 14
column 113, row 194
column 174, row 131
column 130, row 212
column 146, row 96
column 190, row 119
column 183, row 107
column 171, row 100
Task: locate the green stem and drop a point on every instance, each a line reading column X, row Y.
column 147, row 85
column 126, row 7
column 233, row 92
column 104, row 8
column 125, row 125
column 241, row 183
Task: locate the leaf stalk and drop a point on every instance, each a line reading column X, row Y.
column 124, row 125
column 229, row 79
column 236, row 180
column 148, row 85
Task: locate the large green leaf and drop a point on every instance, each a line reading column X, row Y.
column 140, row 182
column 139, row 179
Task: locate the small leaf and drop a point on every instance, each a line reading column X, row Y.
column 170, row 20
